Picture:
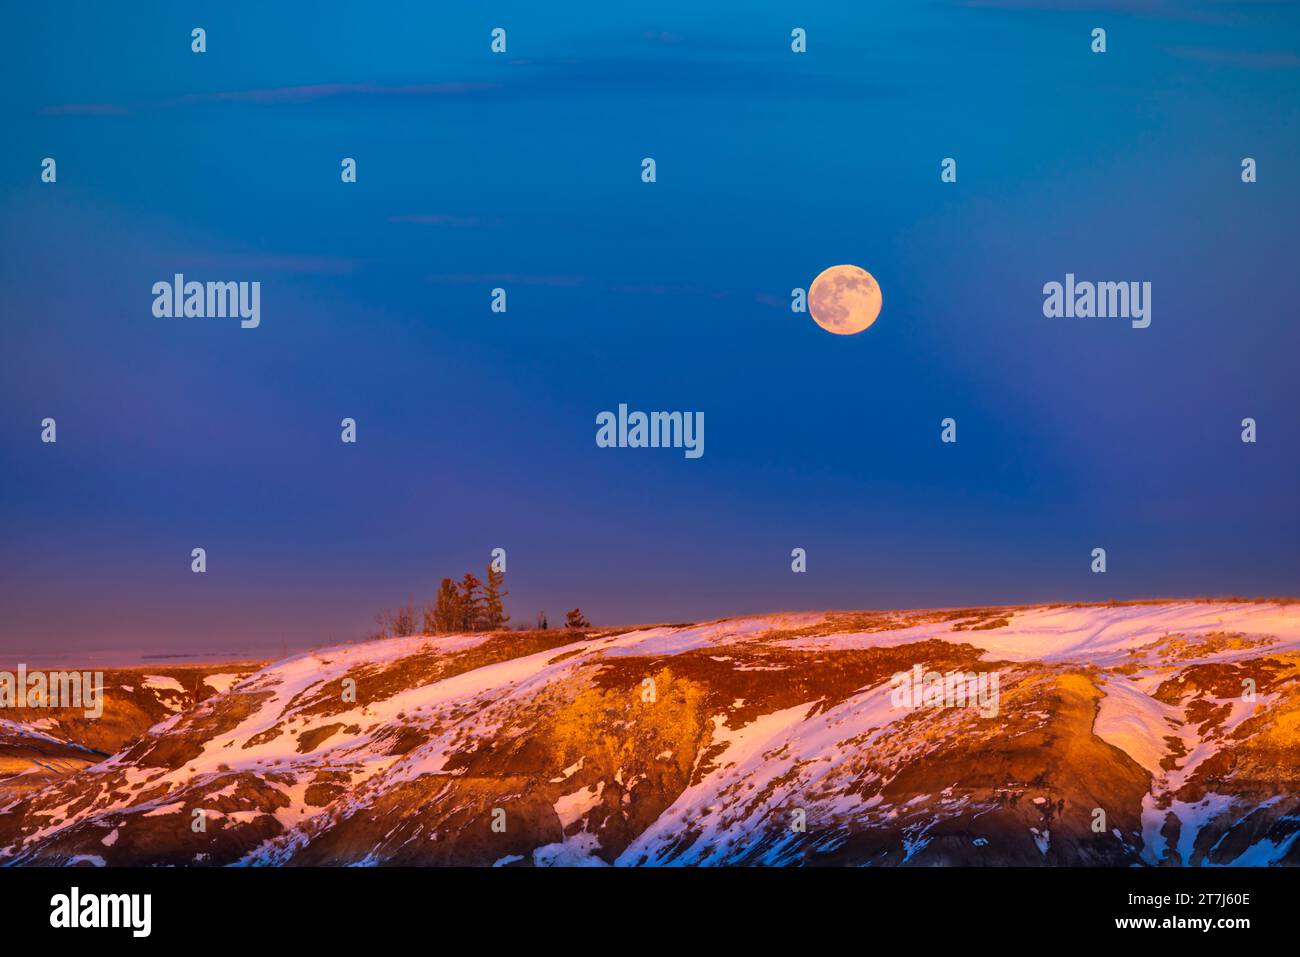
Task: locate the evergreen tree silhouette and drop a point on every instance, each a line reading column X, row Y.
column 446, row 611
column 471, row 602
column 494, row 612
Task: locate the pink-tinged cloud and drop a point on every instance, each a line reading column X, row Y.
column 1149, row 7
column 518, row 279
column 1250, row 59
column 663, row 289
column 270, row 262
column 85, row 109
column 1207, row 11
column 543, row 61
column 278, row 95
column 441, row 219
column 320, row 91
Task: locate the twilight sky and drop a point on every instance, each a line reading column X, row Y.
column 477, row 430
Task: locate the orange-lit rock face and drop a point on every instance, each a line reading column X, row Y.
column 776, row 740
column 41, row 745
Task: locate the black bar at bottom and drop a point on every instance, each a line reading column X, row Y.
column 763, row 907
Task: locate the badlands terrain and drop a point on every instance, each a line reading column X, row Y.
column 1162, row 733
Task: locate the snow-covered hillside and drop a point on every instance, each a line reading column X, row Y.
column 1139, row 733
column 40, row 745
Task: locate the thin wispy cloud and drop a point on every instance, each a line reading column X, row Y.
column 272, row 262
column 665, row 74
column 321, row 91
column 278, row 95
column 1249, row 59
column 442, row 219
column 663, row 36
column 521, row 279
column 666, row 289
column 1192, row 11
column 632, row 289
column 85, row 109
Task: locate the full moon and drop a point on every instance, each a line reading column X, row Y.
column 844, row 300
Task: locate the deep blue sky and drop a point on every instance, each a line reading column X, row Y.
column 477, row 430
